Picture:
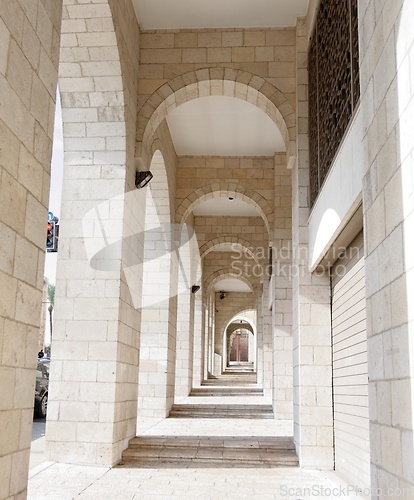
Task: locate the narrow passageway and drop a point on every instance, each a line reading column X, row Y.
column 234, row 282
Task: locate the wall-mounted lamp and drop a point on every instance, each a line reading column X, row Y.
column 222, row 295
column 195, row 289
column 142, row 179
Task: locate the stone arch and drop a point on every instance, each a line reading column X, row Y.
column 227, row 322
column 211, row 245
column 232, row 327
column 225, row 273
column 231, row 317
column 226, row 189
column 216, row 81
column 159, row 186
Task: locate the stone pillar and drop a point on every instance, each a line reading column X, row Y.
column 94, row 372
column 267, row 340
column 281, row 288
column 185, row 344
column 198, row 348
column 208, row 347
column 29, row 58
column 218, row 346
column 252, row 348
column 159, row 320
column 206, row 323
column 259, row 345
column 312, row 363
column 282, row 341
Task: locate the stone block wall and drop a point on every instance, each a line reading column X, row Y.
column 205, row 175
column 250, row 232
column 387, row 94
column 166, row 54
column 218, row 265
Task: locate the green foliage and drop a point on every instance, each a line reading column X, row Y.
column 51, row 294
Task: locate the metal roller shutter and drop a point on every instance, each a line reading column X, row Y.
column 350, row 373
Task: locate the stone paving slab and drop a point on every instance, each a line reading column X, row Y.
column 217, row 427
column 68, row 482
column 53, row 481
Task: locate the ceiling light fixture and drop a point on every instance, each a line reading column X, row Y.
column 142, row 179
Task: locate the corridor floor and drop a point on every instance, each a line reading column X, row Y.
column 66, row 482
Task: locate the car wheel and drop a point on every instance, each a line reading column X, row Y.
column 43, row 407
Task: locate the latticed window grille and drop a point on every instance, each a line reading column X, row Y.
column 333, row 65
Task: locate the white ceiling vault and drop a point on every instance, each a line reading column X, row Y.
column 223, row 126
column 225, row 206
column 176, row 14
column 231, row 285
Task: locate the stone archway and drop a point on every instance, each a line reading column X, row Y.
column 232, row 323
column 222, row 274
column 239, row 244
column 215, row 81
column 236, row 325
column 236, row 190
column 223, row 305
column 231, row 317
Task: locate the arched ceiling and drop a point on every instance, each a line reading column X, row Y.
column 225, row 206
column 231, row 285
column 175, row 14
column 223, row 126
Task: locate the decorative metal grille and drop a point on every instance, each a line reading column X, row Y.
column 333, row 84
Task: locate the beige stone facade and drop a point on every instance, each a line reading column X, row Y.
column 131, row 334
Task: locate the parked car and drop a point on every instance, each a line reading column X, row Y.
column 42, row 387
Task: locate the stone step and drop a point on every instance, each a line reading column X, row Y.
column 239, row 368
column 246, row 369
column 231, row 380
column 153, row 451
column 221, row 411
column 226, row 391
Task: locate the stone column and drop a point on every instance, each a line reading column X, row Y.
column 282, row 343
column 259, row 345
column 281, row 288
column 312, row 363
column 267, row 340
column 185, row 344
column 94, row 372
column 252, row 348
column 158, row 326
column 198, row 348
column 206, row 322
